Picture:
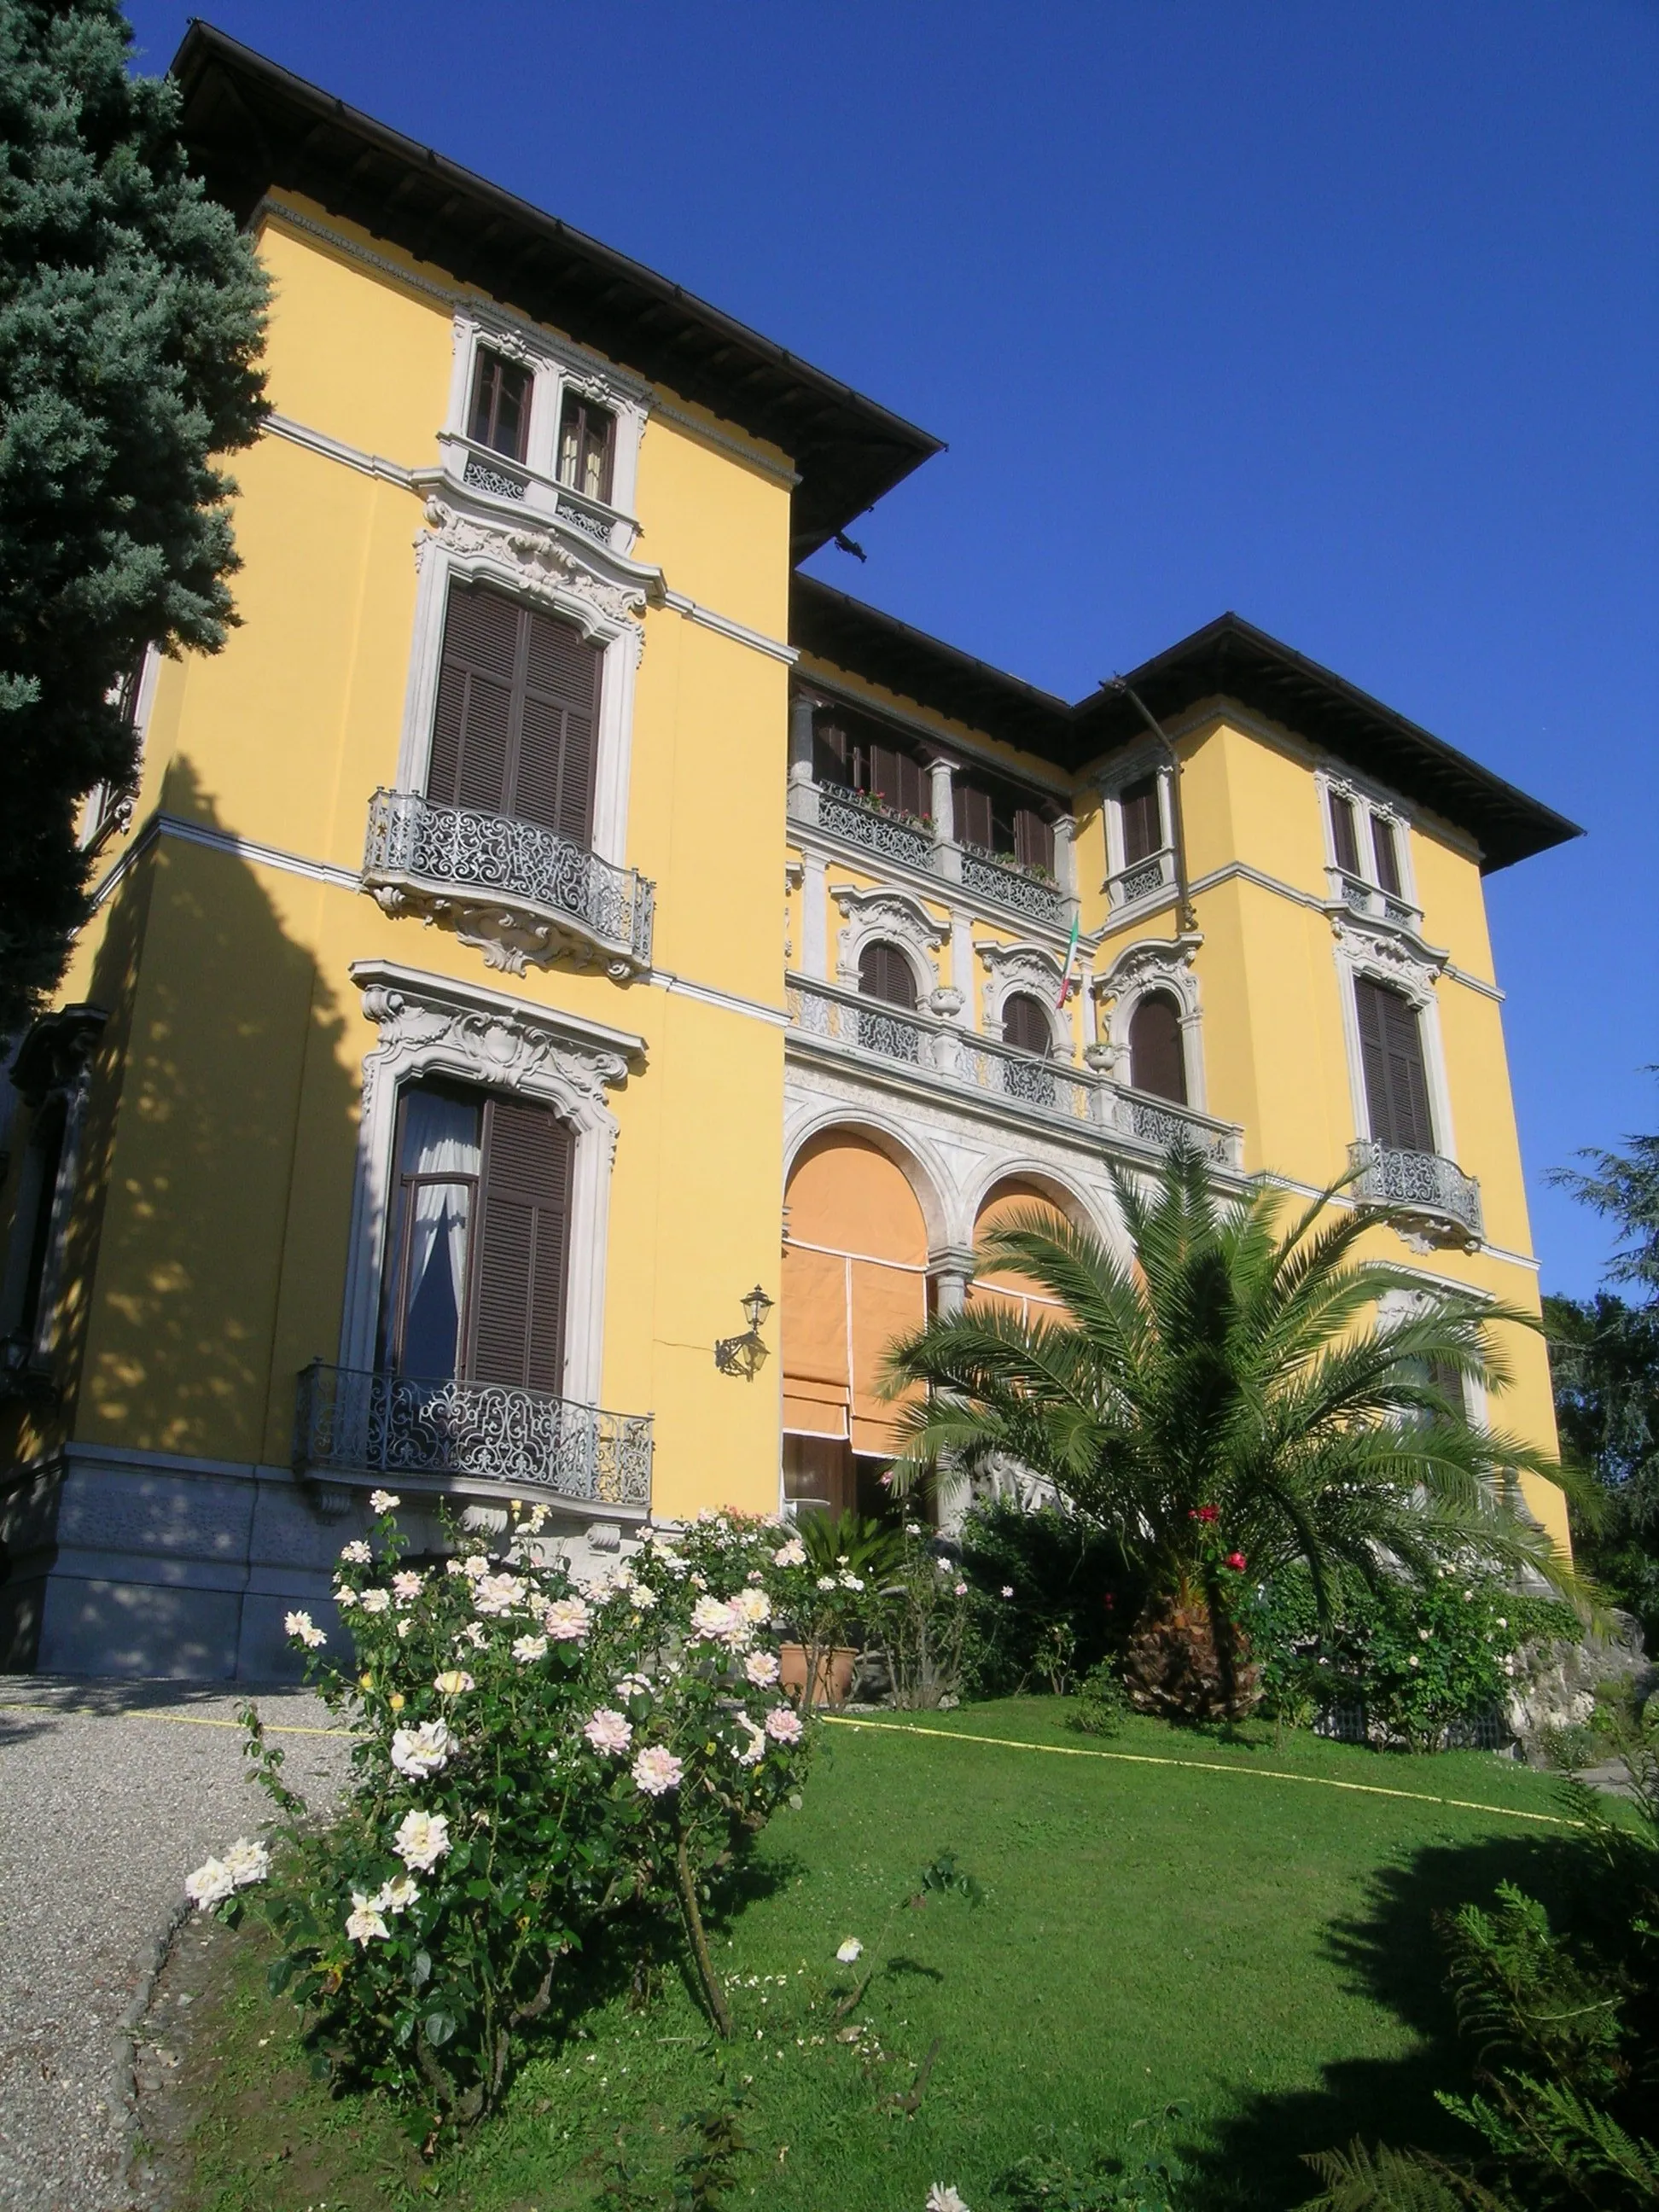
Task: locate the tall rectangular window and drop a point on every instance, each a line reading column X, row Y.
column 1345, row 835
column 1387, row 854
column 517, row 714
column 477, row 1250
column 1396, row 1084
column 1142, row 821
column 500, row 404
column 587, row 440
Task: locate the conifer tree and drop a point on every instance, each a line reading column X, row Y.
column 131, row 322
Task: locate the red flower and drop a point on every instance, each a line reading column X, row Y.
column 1110, row 1601
column 1202, row 1513
column 1236, row 1560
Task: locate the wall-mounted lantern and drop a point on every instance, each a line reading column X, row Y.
column 743, row 1355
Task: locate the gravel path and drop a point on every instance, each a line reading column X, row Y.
column 110, row 1793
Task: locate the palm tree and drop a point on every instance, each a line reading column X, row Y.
column 1236, row 1398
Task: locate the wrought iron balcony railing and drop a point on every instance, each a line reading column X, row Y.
column 1436, row 1193
column 1007, row 883
column 349, row 1422
column 521, row 890
column 940, row 1053
column 853, row 818
column 850, row 815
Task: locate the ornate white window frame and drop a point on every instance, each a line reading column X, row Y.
column 1383, row 956
column 431, row 1025
column 1144, row 757
column 545, row 571
column 1028, row 971
column 1154, row 963
column 1369, row 803
column 532, row 485
column 893, row 917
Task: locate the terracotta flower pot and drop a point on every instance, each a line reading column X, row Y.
column 834, row 1673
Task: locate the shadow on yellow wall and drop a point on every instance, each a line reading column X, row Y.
column 222, row 1115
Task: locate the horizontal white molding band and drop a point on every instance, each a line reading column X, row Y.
column 393, row 472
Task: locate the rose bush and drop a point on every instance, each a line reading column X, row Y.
column 534, row 1756
column 1416, row 1659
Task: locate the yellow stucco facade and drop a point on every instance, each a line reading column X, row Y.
column 252, row 996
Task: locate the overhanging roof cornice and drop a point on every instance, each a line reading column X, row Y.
column 1229, row 659
column 250, row 126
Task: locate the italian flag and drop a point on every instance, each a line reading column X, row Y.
column 1068, row 981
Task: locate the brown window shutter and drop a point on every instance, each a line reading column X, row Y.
column 1396, row 1083
column 1026, row 1024
column 1345, row 840
column 523, row 1239
column 472, row 726
column 1156, row 1063
column 1034, row 839
column 829, row 754
column 553, row 780
column 912, row 782
column 1388, row 855
column 1142, row 830
column 885, row 974
column 973, row 816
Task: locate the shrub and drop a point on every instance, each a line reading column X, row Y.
column 921, row 1620
column 1418, row 1658
column 1062, row 1576
column 1101, row 1704
column 532, row 1758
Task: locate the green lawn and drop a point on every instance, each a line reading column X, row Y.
column 1256, row 1949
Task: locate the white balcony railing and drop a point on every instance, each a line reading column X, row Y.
column 1142, row 879
column 350, row 1422
column 515, row 883
column 947, row 1058
column 1433, row 1191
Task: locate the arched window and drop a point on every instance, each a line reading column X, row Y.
column 1156, row 1063
column 1026, row 1024
column 885, row 974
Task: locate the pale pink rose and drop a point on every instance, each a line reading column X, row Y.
column 566, row 1619
column 657, row 1770
column 783, row 1724
column 791, row 1554
column 407, row 1586
column 610, row 1731
column 710, row 1618
column 495, row 1594
column 762, row 1669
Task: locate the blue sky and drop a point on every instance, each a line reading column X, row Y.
column 1344, row 317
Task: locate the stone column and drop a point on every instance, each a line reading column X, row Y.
column 948, row 852
column 951, row 1270
column 803, row 803
column 1065, row 855
column 814, row 930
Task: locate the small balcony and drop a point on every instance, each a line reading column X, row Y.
column 1432, row 1196
column 1372, row 904
column 1146, row 878
column 945, row 1058
column 357, row 1426
column 993, row 879
column 521, row 891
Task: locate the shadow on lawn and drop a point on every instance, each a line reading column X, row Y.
column 1390, row 1953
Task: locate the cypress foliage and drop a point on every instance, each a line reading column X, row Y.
column 131, row 322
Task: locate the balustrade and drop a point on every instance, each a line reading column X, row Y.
column 1421, row 1183
column 421, row 852
column 352, row 1422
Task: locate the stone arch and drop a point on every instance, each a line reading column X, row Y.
column 1004, row 1288
column 855, row 1268
column 890, row 917
column 1154, row 967
column 1028, row 971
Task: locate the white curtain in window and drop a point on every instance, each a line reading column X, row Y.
column 440, row 1138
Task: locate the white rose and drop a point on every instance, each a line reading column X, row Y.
column 211, row 1883
column 421, row 1839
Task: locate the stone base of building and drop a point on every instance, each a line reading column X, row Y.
column 143, row 1564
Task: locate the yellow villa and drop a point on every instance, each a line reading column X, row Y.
column 553, row 917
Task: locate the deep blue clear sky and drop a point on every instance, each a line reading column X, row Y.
column 1346, row 318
